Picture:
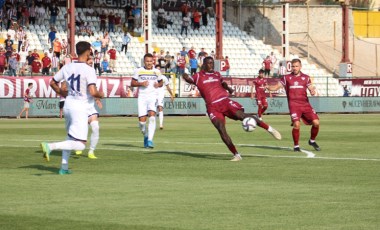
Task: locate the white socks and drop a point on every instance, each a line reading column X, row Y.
column 65, row 159
column 94, row 135
column 161, row 117
column 152, row 127
column 142, row 126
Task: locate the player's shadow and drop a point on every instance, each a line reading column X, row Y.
column 189, row 154
column 121, row 145
column 266, row 147
column 41, row 168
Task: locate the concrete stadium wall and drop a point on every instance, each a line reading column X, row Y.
column 266, row 22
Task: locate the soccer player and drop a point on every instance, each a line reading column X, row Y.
column 161, row 96
column 27, row 101
column 81, row 85
column 214, row 91
column 93, row 121
column 258, row 91
column 296, row 84
column 147, row 79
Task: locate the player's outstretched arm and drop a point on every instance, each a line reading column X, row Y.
column 229, row 89
column 187, row 78
column 275, row 87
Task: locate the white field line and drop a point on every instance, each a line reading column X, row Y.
column 308, row 153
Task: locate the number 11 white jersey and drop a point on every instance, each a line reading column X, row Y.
column 78, row 77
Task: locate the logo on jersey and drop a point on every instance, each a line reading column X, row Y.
column 294, row 116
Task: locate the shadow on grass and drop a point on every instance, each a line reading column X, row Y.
column 266, row 147
column 41, row 168
column 190, row 154
column 123, row 145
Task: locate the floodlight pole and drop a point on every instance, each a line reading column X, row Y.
column 147, row 24
column 71, row 27
column 219, row 30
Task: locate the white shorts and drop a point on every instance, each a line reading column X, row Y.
column 26, row 105
column 146, row 104
column 160, row 100
column 92, row 111
column 76, row 117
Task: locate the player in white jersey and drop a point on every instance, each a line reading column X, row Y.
column 148, row 79
column 93, row 121
column 81, row 84
column 161, row 96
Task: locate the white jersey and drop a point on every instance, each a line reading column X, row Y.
column 78, row 77
column 153, row 76
column 161, row 90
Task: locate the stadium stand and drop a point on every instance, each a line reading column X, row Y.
column 246, row 53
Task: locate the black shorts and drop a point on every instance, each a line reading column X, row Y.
column 61, row 104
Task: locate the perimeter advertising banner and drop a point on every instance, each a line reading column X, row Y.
column 14, row 87
column 362, row 87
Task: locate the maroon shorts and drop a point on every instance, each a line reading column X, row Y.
column 262, row 101
column 306, row 113
column 222, row 109
column 2, row 68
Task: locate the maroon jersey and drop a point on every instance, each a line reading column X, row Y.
column 192, row 54
column 260, row 84
column 267, row 63
column 112, row 53
column 295, row 87
column 46, row 61
column 210, row 86
column 27, row 95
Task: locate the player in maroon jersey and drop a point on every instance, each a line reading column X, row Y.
column 214, row 92
column 295, row 85
column 258, row 91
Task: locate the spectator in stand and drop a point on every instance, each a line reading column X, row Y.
column 173, row 65
column 20, row 37
column 103, row 17
column 8, row 50
column 57, row 47
column 137, row 14
column 126, row 40
column 185, row 8
column 213, row 54
column 40, row 14
column 88, row 29
column 167, row 61
column 79, row 19
column 112, row 53
column 281, row 70
column 12, row 16
column 185, row 24
column 35, row 54
column 9, row 39
column 12, row 65
column 168, row 19
column 118, row 25
column 193, row 65
column 184, row 53
column 105, row 66
column 32, row 14
column 2, row 17
column 181, row 65
column 3, row 61
column 46, row 64
column 204, row 17
column 192, row 53
column 273, row 59
column 52, row 36
column 50, row 53
column 161, row 62
column 105, row 42
column 82, row 29
column 227, row 66
column 11, row 32
column 97, row 58
column 54, row 11
column 131, row 21
column 25, row 16
column 155, row 58
column 64, row 45
column 161, row 55
column 54, row 64
column 22, row 63
column 36, row 67
column 97, row 45
column 29, row 59
column 25, row 43
column 111, row 22
column 197, row 18
column 267, row 64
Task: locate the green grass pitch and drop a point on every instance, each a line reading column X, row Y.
column 187, row 180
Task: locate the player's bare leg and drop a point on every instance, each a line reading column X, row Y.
column 313, row 134
column 220, row 126
column 296, row 135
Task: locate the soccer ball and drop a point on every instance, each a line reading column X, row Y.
column 249, row 124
